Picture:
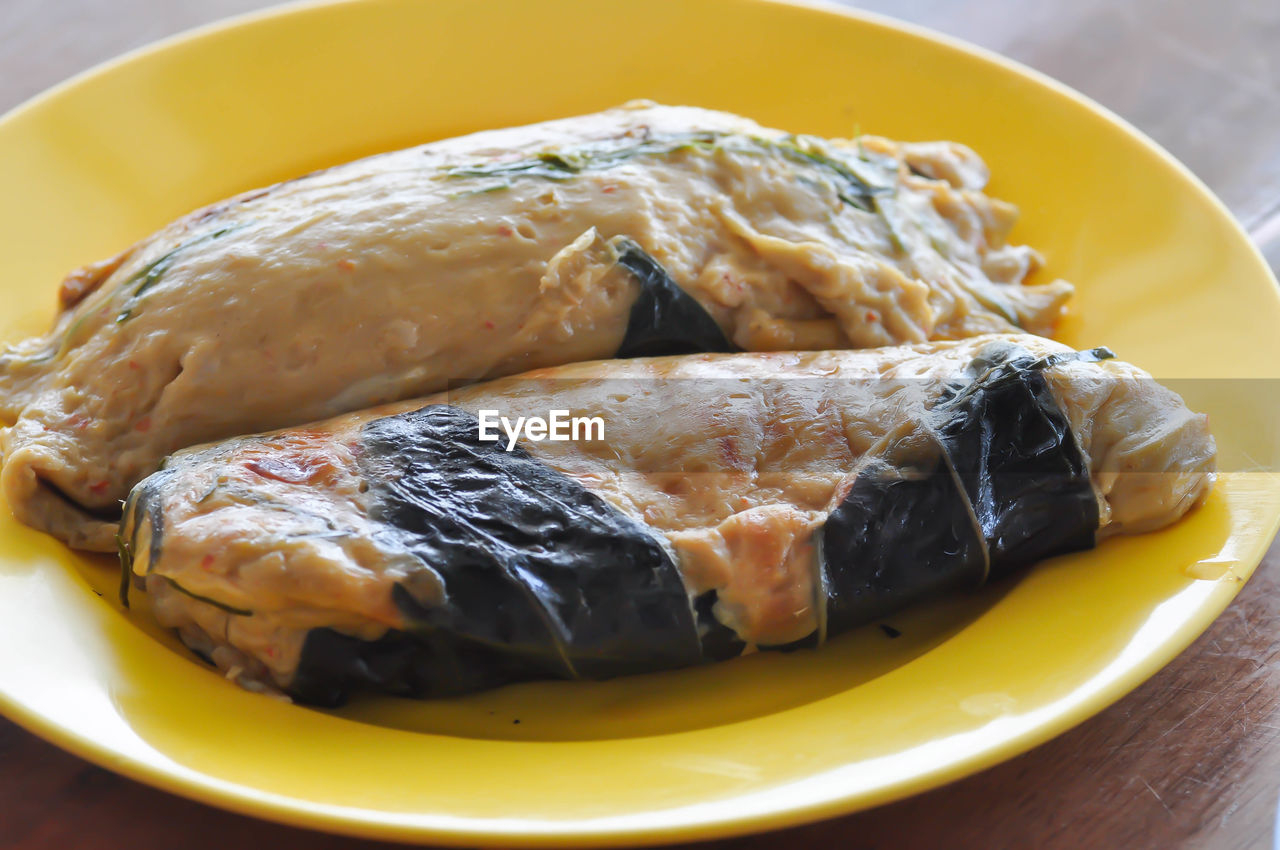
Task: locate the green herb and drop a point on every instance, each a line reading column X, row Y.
column 886, row 215
column 991, row 298
column 562, row 165
column 215, row 603
column 126, row 569
column 150, row 274
column 853, row 188
column 65, row 344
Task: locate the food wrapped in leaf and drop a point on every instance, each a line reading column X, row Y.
column 706, row 504
column 642, row 230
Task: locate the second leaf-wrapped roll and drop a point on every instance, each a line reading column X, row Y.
column 733, row 501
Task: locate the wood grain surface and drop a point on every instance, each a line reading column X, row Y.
column 1189, row 760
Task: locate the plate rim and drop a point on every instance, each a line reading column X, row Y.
column 246, row 800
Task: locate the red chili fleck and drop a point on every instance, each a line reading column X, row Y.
column 503, row 230
column 133, row 364
column 206, row 561
column 872, row 317
column 488, row 324
column 346, row 265
column 143, row 424
column 608, row 188
column 99, row 487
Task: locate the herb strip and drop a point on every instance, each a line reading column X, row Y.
column 851, row 187
column 150, row 274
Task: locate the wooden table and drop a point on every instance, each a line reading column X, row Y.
column 1191, row 759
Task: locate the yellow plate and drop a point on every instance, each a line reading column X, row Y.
column 1165, row 277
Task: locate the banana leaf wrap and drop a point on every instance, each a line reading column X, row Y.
column 545, row 580
column 995, row 481
column 665, row 319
